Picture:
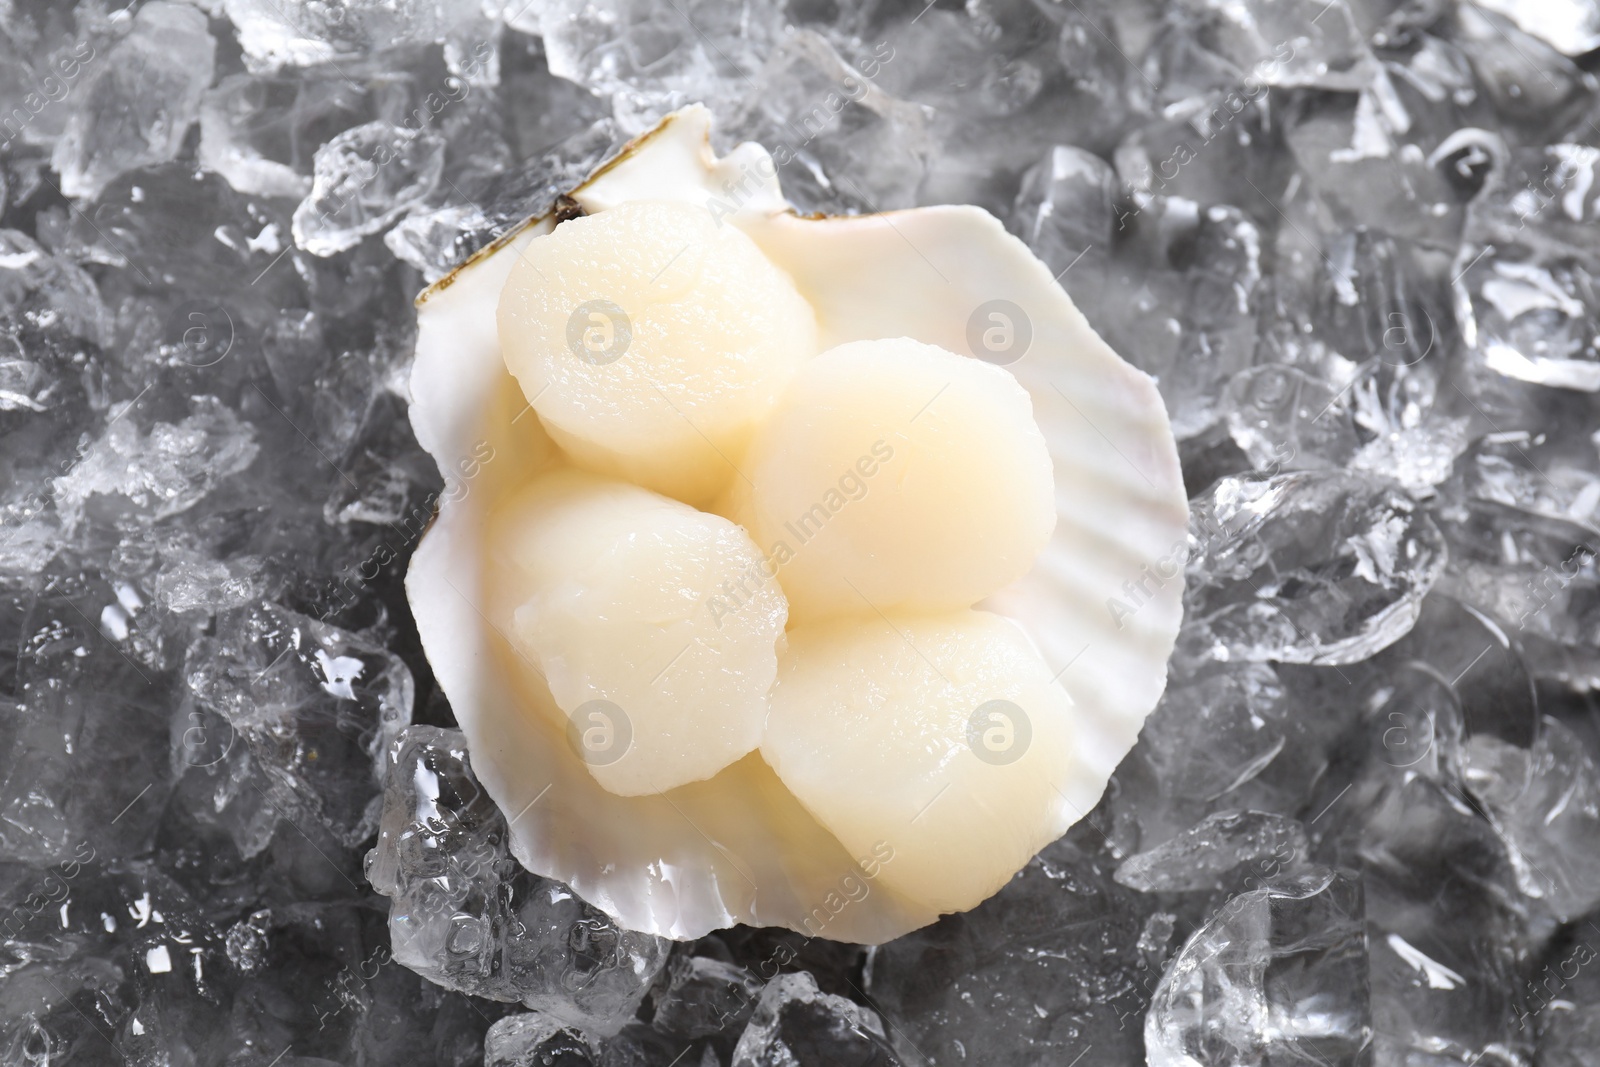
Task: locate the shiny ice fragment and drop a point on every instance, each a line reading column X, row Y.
column 1049, row 965
column 1447, row 929
column 797, row 1025
column 1277, row 976
column 704, row 996
column 1283, row 417
column 261, row 132
column 1287, row 42
column 1216, row 733
column 141, row 99
column 1545, row 802
column 304, row 33
column 363, row 180
column 648, row 60
column 1206, row 855
column 1184, row 303
column 1066, row 210
column 537, row 1040
column 864, row 150
column 315, row 705
column 1317, row 567
column 468, row 916
column 1572, row 27
column 156, row 474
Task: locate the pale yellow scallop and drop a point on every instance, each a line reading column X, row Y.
column 939, row 738
column 651, row 341
column 897, row 476
column 655, row 626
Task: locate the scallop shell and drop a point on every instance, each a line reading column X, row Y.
column 1102, row 602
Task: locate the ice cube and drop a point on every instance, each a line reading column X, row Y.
column 841, row 143
column 1367, row 338
column 1286, row 42
column 208, row 246
column 35, row 82
column 1199, row 160
column 222, row 788
column 1545, row 802
column 648, row 59
column 988, row 107
column 1285, row 418
column 1525, row 273
column 53, row 325
column 1362, row 166
column 1213, row 734
column 1309, row 567
column 140, row 101
column 1446, row 927
column 1066, row 212
column 704, row 996
column 1456, row 674
column 46, row 290
column 1181, row 303
column 466, row 915
column 429, row 240
column 365, row 178
column 1205, row 856
column 796, row 1023
column 316, row 705
column 260, row 132
column 1525, row 553
column 537, row 1040
column 303, row 33
column 1278, row 975
column 210, row 585
column 435, row 241
column 77, row 697
column 159, row 473
column 1564, row 1000
column 1553, row 475
column 1531, row 86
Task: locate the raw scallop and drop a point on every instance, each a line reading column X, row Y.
column 941, row 739
column 653, row 624
column 651, row 340
column 897, row 476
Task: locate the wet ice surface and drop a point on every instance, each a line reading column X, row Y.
column 1353, row 240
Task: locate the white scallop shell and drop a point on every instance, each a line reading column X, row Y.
column 739, row 848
